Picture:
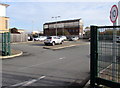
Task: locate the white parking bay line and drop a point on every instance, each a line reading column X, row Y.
column 41, row 77
column 61, row 58
column 18, row 84
column 41, row 63
column 27, row 83
column 33, row 81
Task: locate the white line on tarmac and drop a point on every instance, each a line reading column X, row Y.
column 33, row 81
column 40, row 64
column 19, row 84
column 105, row 68
column 61, row 58
column 26, row 83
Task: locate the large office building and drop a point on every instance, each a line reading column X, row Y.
column 66, row 27
column 4, row 21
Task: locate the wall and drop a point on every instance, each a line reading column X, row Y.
column 2, row 11
column 19, row 37
column 3, row 24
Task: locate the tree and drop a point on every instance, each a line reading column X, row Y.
column 14, row 30
column 87, row 34
column 108, row 32
column 118, row 32
column 66, row 32
column 63, row 33
column 87, row 27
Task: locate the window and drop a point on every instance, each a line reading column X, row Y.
column 6, row 24
column 45, row 26
column 76, row 30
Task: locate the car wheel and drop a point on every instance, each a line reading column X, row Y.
column 53, row 43
column 46, row 44
column 61, row 42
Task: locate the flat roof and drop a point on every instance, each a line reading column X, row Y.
column 4, row 4
column 62, row 21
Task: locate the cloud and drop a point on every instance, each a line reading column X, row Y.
column 59, row 0
column 28, row 14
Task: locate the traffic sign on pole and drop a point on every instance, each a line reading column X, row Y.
column 113, row 18
column 113, row 13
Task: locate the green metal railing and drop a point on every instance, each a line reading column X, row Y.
column 6, row 49
column 105, row 56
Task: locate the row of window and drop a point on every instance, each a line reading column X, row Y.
column 62, row 25
column 69, row 30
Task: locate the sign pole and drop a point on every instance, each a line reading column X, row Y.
column 114, row 53
column 113, row 18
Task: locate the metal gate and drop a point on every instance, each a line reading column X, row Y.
column 6, row 50
column 105, row 56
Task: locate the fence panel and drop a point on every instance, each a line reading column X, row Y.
column 105, row 56
column 19, row 37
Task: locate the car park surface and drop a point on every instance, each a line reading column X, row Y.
column 44, row 67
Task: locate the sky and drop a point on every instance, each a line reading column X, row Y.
column 32, row 15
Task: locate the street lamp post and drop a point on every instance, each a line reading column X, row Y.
column 56, row 23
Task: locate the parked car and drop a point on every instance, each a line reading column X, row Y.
column 118, row 39
column 63, row 38
column 41, row 38
column 74, row 38
column 53, row 40
column 30, row 38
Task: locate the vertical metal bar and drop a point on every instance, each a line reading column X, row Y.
column 94, row 55
column 5, row 44
column 114, row 54
column 9, row 46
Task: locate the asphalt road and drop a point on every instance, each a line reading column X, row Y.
column 44, row 67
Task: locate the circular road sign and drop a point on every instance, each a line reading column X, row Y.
column 113, row 13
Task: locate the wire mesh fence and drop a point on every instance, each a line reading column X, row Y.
column 108, row 64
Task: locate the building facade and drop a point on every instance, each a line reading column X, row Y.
column 4, row 21
column 66, row 27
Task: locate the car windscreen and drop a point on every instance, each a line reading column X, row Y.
column 49, row 37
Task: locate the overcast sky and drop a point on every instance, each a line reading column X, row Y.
column 32, row 15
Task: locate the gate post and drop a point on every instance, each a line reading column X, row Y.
column 9, row 46
column 93, row 56
column 3, row 44
column 6, row 49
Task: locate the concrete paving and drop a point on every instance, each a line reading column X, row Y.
column 44, row 67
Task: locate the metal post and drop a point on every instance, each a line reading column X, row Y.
column 114, row 53
column 94, row 56
column 56, row 26
column 5, row 44
column 63, row 30
column 9, row 46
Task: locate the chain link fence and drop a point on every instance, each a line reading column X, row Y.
column 105, row 56
column 109, row 54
